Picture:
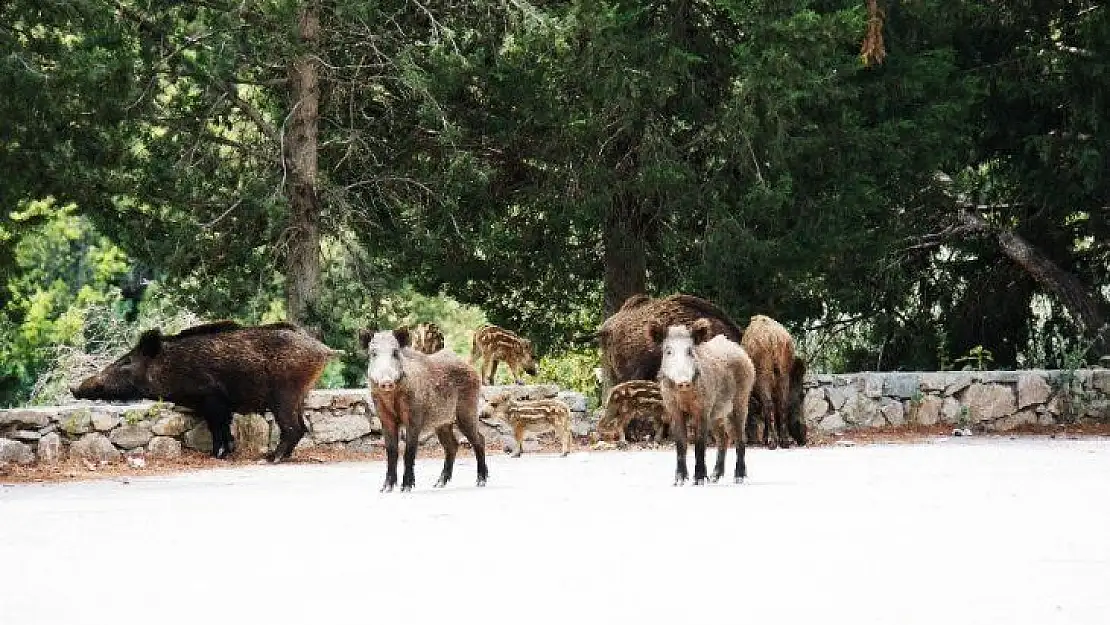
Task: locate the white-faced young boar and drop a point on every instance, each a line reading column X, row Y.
column 635, row 399
column 778, row 381
column 418, row 391
column 217, row 369
column 494, row 345
column 533, row 415
column 709, row 381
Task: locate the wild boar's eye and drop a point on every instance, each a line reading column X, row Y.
column 668, row 352
column 689, row 351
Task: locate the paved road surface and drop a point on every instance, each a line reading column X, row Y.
column 970, row 531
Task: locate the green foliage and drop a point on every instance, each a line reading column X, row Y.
column 572, row 370
column 977, row 359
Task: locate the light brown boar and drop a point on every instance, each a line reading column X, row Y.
column 417, row 390
column 707, row 381
column 778, row 382
column 493, row 345
column 220, row 368
column 532, row 415
column 635, row 399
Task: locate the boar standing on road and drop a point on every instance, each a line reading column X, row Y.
column 708, row 381
column 418, row 391
column 533, row 415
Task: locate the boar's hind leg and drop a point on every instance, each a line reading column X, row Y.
column 469, row 427
column 217, row 415
column 446, row 435
column 289, row 415
column 722, row 451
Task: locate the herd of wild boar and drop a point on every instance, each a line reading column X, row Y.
column 677, row 364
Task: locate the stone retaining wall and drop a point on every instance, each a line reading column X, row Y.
column 982, row 400
column 987, row 401
column 343, row 418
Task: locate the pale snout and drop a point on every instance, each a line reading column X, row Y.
column 386, row 387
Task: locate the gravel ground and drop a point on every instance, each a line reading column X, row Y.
column 979, row 530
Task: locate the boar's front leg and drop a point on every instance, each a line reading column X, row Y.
column 412, row 441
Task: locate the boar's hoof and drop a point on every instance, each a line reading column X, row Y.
column 679, row 480
column 564, row 454
column 481, row 482
column 698, row 481
column 516, row 454
column 441, row 482
column 739, row 480
column 387, row 486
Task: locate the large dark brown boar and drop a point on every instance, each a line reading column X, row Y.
column 217, row 369
column 706, row 381
column 628, row 354
column 418, row 391
column 778, row 381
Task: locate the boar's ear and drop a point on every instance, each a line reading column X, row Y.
column 364, row 336
column 150, row 343
column 402, row 336
column 702, row 331
column 655, row 331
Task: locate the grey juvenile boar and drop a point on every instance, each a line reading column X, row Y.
column 217, row 369
column 493, row 345
column 418, row 391
column 709, row 382
column 531, row 415
column 629, row 400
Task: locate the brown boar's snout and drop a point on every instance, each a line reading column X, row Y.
column 387, row 387
column 684, row 386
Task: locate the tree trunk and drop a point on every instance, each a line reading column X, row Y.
column 625, row 262
column 302, row 268
column 1082, row 307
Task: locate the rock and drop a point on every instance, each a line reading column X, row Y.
column 50, row 448
column 902, row 385
column 331, row 428
column 581, row 427
column 1045, row 418
column 521, row 391
column 892, row 411
column 375, row 424
column 928, row 411
column 1100, row 381
column 15, row 451
column 94, row 446
column 173, row 425
column 864, row 412
column 832, row 423
column 364, row 445
column 957, row 385
column 24, row 417
column 164, row 447
column 26, row 436
column 131, row 436
column 199, row 438
column 933, row 382
column 950, row 410
column 1097, row 410
column 814, row 406
column 251, row 433
column 987, row 402
column 48, row 428
column 77, row 422
column 305, row 443
column 1032, row 389
column 837, row 396
column 105, row 421
column 574, row 400
column 1024, row 417
column 872, row 385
